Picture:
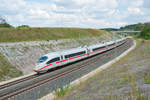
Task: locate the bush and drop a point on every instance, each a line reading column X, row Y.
column 62, row 91
column 147, row 79
column 145, row 33
column 23, row 26
column 5, row 25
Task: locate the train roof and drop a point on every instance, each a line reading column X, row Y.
column 110, row 42
column 97, row 45
column 74, row 50
column 101, row 44
column 52, row 54
column 65, row 52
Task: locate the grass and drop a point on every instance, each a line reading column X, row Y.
column 146, row 79
column 37, row 34
column 125, row 78
column 59, row 92
column 7, row 71
column 121, row 80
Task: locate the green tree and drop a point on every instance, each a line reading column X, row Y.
column 3, row 23
column 146, row 32
column 23, row 26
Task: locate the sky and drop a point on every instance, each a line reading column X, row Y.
column 75, row 13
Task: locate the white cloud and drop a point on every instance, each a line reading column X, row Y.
column 73, row 13
column 39, row 13
column 12, row 4
column 137, row 3
column 135, row 11
column 122, row 23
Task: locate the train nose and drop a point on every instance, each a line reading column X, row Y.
column 36, row 70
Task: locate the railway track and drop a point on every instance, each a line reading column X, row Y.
column 14, row 92
column 17, row 81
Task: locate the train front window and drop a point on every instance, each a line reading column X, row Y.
column 42, row 59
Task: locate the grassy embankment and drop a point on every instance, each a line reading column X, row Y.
column 8, row 71
column 37, row 34
column 128, row 79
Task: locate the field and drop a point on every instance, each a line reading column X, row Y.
column 128, row 79
column 37, row 34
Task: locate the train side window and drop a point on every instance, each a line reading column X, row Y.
column 74, row 54
column 53, row 60
column 97, row 48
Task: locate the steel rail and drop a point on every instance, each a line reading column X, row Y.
column 17, row 81
column 54, row 77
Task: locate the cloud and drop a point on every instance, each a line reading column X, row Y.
column 135, row 11
column 39, row 13
column 75, row 13
column 136, row 3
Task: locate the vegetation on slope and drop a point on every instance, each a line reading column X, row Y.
column 37, row 34
column 7, row 71
column 128, row 79
column 23, row 26
column 143, row 27
column 5, row 25
column 110, row 29
column 145, row 33
column 135, row 27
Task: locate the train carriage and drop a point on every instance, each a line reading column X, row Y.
column 54, row 59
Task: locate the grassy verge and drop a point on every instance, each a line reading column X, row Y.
column 7, row 71
column 128, row 79
column 37, row 34
column 59, row 92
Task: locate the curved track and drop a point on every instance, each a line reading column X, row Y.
column 38, row 80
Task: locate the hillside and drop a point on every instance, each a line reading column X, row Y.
column 110, row 29
column 21, row 48
column 135, row 27
column 7, row 70
column 127, row 79
column 38, row 34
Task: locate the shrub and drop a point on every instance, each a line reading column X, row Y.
column 147, row 79
column 62, row 91
column 23, row 26
column 5, row 25
column 145, row 33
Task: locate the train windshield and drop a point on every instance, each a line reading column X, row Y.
column 42, row 59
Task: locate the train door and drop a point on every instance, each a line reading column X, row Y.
column 61, row 60
column 88, row 50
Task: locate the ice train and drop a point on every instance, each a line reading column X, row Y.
column 59, row 58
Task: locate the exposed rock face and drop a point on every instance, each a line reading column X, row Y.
column 24, row 55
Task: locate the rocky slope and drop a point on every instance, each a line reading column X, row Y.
column 24, row 55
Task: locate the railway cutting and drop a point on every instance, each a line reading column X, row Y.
column 40, row 84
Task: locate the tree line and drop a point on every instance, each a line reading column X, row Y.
column 5, row 24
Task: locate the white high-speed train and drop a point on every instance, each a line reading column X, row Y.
column 55, row 59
